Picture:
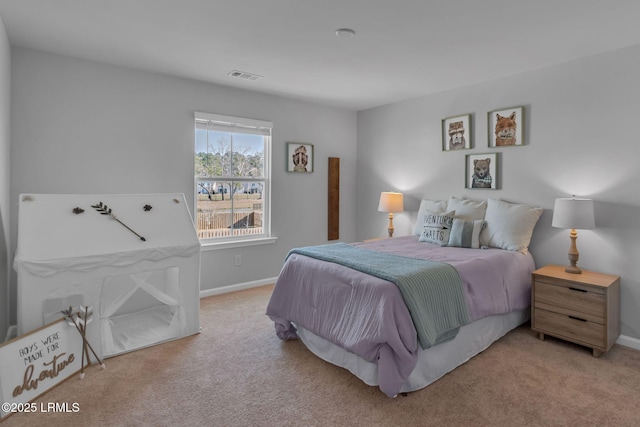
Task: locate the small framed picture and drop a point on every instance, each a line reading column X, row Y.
column 506, row 127
column 456, row 133
column 299, row 157
column 481, row 171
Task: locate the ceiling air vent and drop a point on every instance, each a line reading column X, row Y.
column 243, row 75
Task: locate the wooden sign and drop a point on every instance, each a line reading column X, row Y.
column 334, row 199
column 33, row 363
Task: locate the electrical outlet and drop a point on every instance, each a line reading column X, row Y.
column 237, row 260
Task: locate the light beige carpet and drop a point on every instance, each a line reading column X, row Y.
column 236, row 372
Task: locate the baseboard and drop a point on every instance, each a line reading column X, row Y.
column 237, row 287
column 12, row 332
column 624, row 340
column 628, row 342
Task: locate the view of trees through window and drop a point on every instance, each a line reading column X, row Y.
column 230, row 183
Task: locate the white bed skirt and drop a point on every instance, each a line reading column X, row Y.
column 434, row 362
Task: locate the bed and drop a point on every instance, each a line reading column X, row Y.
column 350, row 304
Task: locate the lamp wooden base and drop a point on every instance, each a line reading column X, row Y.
column 573, row 254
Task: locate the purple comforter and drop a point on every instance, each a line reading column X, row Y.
column 367, row 315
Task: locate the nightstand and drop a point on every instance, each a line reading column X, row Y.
column 581, row 308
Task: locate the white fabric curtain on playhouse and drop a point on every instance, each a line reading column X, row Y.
column 137, row 310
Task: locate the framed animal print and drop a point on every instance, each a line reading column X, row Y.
column 299, row 157
column 456, row 133
column 506, row 127
column 481, row 171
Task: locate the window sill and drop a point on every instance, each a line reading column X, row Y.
column 214, row 246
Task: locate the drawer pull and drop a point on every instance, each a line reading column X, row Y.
column 577, row 318
column 578, row 290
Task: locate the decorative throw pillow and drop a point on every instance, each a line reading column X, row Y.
column 466, row 208
column 435, row 206
column 509, row 226
column 437, row 228
column 465, row 234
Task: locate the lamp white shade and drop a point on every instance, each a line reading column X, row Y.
column 391, row 202
column 573, row 213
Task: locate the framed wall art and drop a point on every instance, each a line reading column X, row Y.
column 506, row 127
column 456, row 133
column 481, row 171
column 299, row 157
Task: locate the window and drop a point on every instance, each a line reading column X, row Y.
column 232, row 178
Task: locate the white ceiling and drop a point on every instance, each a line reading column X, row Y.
column 402, row 48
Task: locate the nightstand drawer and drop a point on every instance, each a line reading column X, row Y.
column 583, row 308
column 576, row 298
column 574, row 328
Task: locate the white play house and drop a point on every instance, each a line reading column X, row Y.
column 138, row 266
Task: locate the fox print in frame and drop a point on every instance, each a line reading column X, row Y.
column 506, row 127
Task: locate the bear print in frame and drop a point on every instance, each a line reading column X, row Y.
column 481, row 171
column 506, row 127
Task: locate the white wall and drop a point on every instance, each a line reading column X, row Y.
column 85, row 127
column 5, row 95
column 581, row 138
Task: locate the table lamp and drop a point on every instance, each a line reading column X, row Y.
column 390, row 202
column 575, row 214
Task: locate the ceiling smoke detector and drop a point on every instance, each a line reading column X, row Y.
column 243, row 75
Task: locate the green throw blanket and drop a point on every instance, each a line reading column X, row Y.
column 431, row 290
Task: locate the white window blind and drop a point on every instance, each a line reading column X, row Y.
column 232, row 124
column 232, row 178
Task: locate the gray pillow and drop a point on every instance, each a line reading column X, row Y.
column 466, row 208
column 466, row 233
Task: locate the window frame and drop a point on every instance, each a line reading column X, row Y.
column 237, row 125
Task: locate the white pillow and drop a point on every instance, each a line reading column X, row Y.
column 466, row 208
column 437, row 228
column 435, row 206
column 466, row 234
column 509, row 226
